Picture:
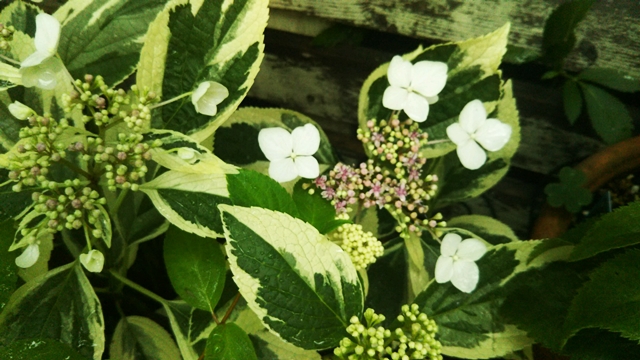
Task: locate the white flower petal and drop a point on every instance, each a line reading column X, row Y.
column 471, row 249
column 399, row 72
column 34, row 59
column 432, row 99
column 20, row 110
column 283, row 170
column 493, row 135
column 450, row 244
column 29, row 256
column 471, row 155
column 472, row 116
column 456, row 133
column 207, row 96
column 307, row 167
column 275, row 143
column 416, row 107
column 47, row 34
column 465, row 275
column 429, row 77
column 394, row 98
column 93, row 261
column 444, row 269
column 306, row 140
column 43, row 76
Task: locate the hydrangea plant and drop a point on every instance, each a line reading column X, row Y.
column 120, row 126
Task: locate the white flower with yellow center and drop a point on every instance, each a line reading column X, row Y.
column 291, row 154
column 414, row 86
column 474, row 128
column 457, row 262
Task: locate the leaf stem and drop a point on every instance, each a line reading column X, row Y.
column 230, row 309
column 119, row 200
column 170, row 100
column 438, row 141
column 137, row 287
column 10, row 60
column 75, row 168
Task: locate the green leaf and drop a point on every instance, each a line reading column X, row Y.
column 138, row 338
column 539, row 300
column 483, row 227
column 302, row 286
column 315, row 210
column 388, row 281
column 196, row 268
column 236, row 142
column 611, row 78
column 558, row 38
column 108, row 44
column 519, row 55
column 609, row 300
column 189, row 200
column 11, row 202
column 609, row 116
column 8, row 268
column 59, row 305
column 614, row 230
column 470, row 325
column 596, row 344
column 570, row 192
column 213, row 42
column 40, row 349
column 250, row 188
column 572, row 100
column 229, row 342
column 21, row 15
column 190, row 326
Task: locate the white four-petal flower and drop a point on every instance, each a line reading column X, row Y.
column 207, row 97
column 474, row 128
column 457, row 262
column 414, row 86
column 291, row 154
column 40, row 68
column 92, row 261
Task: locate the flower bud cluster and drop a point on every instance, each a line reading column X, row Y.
column 37, row 149
column 362, row 247
column 70, row 205
column 106, row 106
column 392, row 179
column 6, row 36
column 414, row 339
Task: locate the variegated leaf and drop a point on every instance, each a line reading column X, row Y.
column 59, row 305
column 104, row 37
column 302, row 286
column 470, row 325
column 202, row 41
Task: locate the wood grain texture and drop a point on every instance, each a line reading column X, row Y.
column 609, row 36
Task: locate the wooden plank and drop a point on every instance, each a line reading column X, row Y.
column 325, row 83
column 611, row 27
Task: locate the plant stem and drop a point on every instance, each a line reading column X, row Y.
column 10, row 60
column 230, row 309
column 75, row 168
column 73, row 81
column 170, row 100
column 438, row 141
column 119, row 200
column 137, row 287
